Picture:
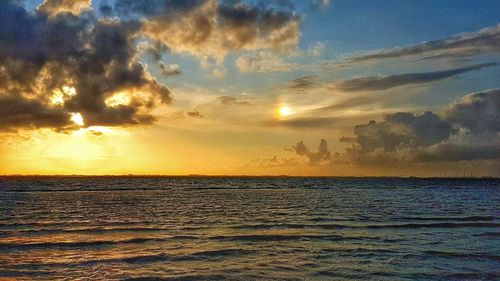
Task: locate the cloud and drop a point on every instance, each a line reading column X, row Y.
column 300, row 84
column 485, row 41
column 377, row 83
column 317, row 49
column 54, row 7
column 263, row 62
column 19, row 112
column 209, row 30
column 402, row 129
column 306, row 122
column 234, row 100
column 69, row 64
column 272, row 162
column 218, row 73
column 169, row 69
column 479, row 113
column 320, row 156
column 352, row 101
column 66, row 59
column 468, row 130
column 319, row 4
column 194, row 114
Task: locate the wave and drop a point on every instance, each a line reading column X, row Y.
column 207, row 277
column 81, row 244
column 215, row 253
column 85, row 190
column 473, row 276
column 470, row 218
column 362, row 250
column 463, row 255
column 343, row 226
column 277, row 237
column 153, row 258
column 290, row 226
column 91, row 230
column 69, row 223
column 489, row 234
column 435, row 225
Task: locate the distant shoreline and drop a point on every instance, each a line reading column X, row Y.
column 247, row 176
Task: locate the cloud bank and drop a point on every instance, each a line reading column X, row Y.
column 320, row 156
column 377, row 83
column 467, row 130
column 210, row 29
column 485, row 41
column 65, row 59
column 53, row 67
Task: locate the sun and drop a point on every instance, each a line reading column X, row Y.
column 285, row 111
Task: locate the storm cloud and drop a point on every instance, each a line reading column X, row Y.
column 468, row 130
column 65, row 58
column 67, row 64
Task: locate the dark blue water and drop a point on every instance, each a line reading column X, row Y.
column 249, row 229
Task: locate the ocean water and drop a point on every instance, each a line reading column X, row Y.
column 249, row 229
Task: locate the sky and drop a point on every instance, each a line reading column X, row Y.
column 306, row 88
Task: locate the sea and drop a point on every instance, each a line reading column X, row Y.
column 249, row 228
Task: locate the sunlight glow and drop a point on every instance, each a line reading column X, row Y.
column 60, row 95
column 283, row 110
column 77, row 118
column 121, row 98
column 99, row 131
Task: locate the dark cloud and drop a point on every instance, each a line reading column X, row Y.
column 449, row 151
column 83, row 60
column 211, row 29
column 485, row 41
column 469, row 130
column 169, row 70
column 300, row 84
column 377, row 83
column 320, row 156
column 65, row 58
column 478, row 113
column 250, row 22
column 402, row 129
column 194, row 114
column 19, row 112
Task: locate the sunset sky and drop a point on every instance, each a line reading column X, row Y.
column 319, row 87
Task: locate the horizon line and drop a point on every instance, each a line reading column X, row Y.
column 233, row 176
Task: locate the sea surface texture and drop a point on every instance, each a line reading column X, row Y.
column 249, row 229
